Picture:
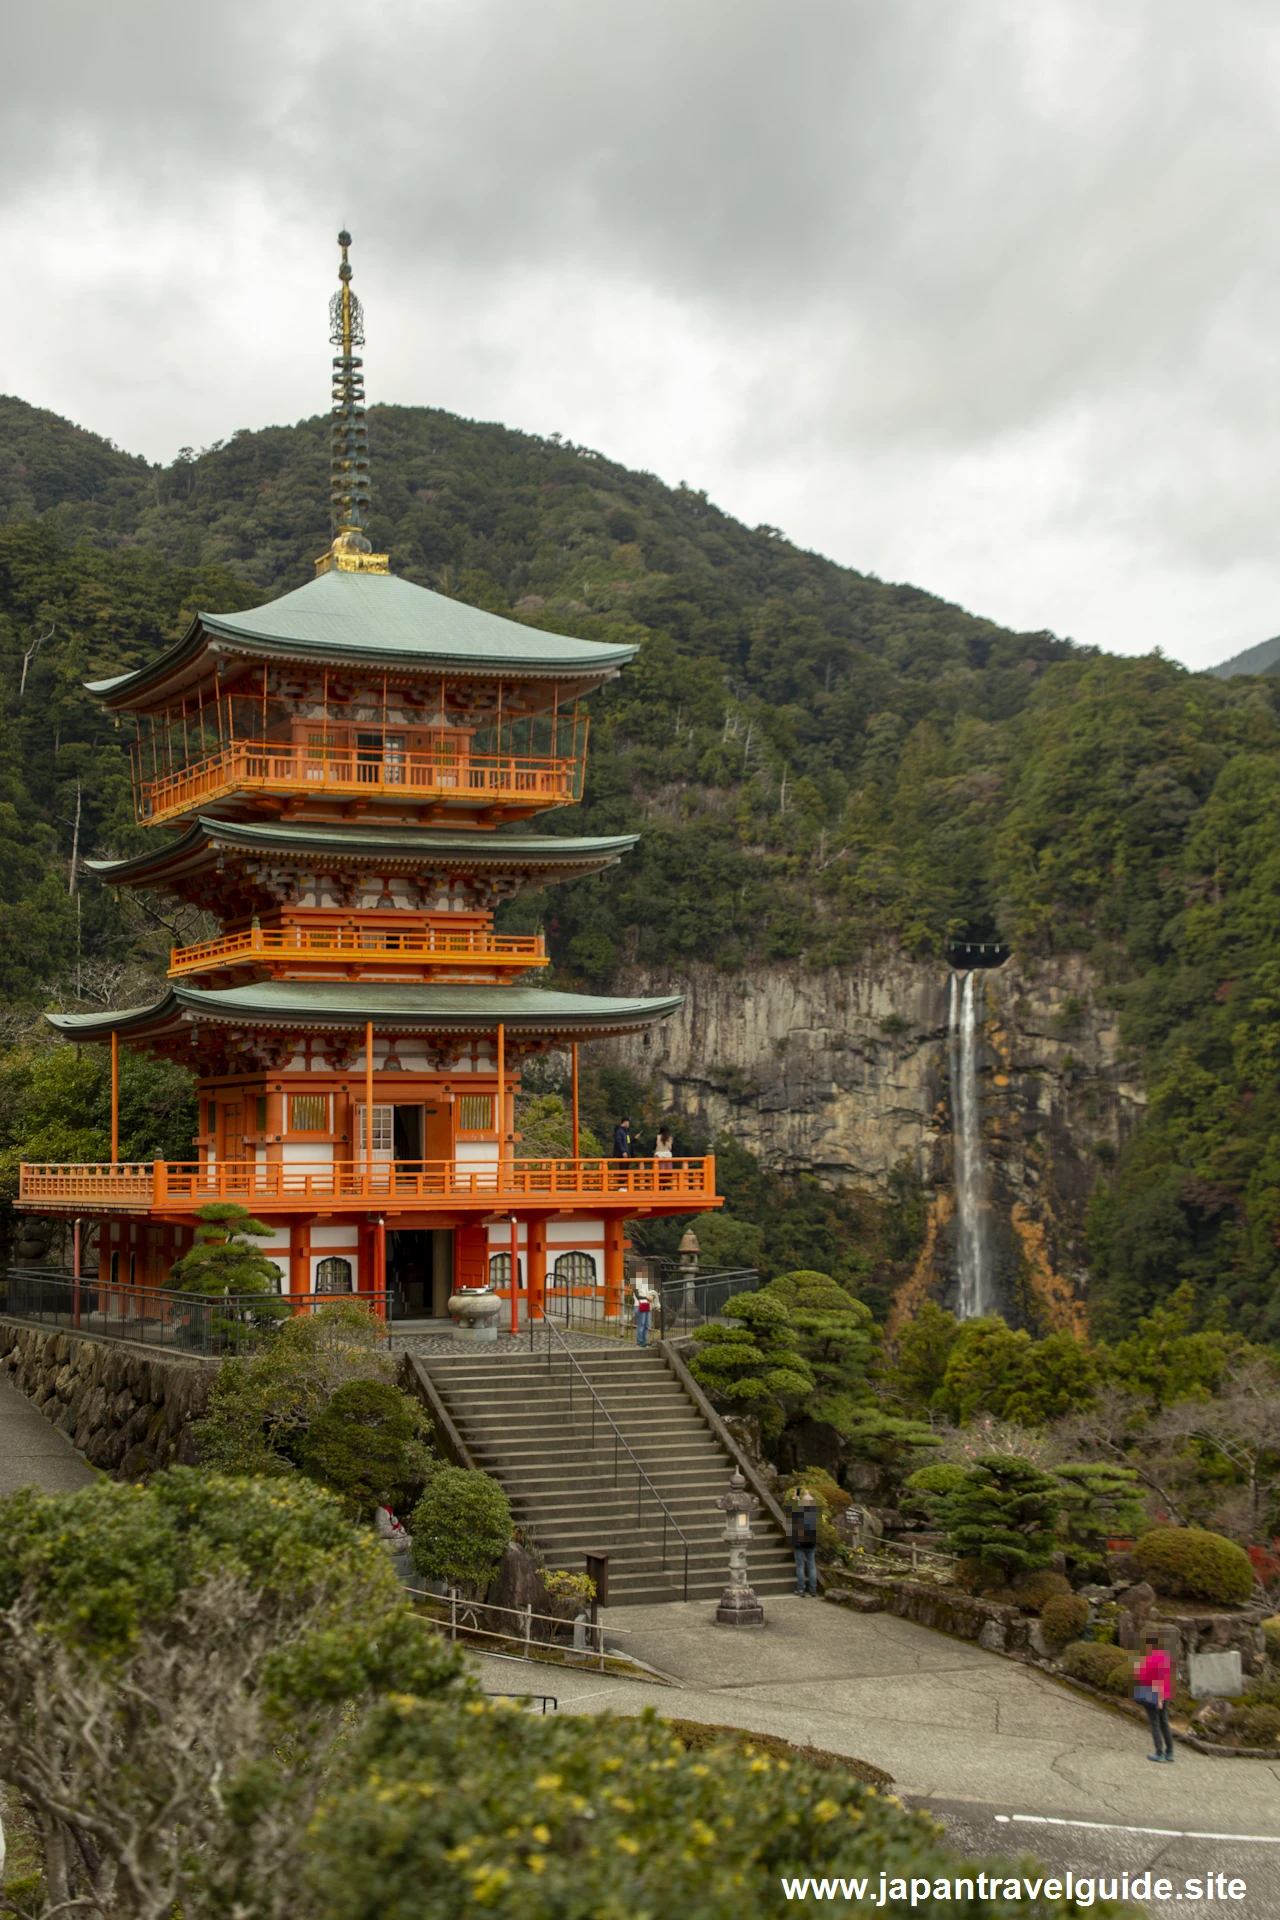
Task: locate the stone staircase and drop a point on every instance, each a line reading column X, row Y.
column 513, row 1415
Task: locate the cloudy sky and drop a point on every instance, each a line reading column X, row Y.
column 985, row 297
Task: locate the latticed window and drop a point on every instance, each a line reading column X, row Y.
column 500, row 1270
column 574, row 1270
column 333, row 1275
column 383, row 1129
column 475, row 1113
column 308, row 1112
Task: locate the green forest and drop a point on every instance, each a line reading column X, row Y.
column 819, row 762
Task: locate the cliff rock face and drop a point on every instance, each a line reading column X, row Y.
column 844, row 1075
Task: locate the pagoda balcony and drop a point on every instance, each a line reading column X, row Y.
column 360, row 950
column 183, row 1186
column 491, row 785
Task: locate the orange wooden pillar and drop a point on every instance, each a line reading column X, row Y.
column 614, row 1235
column 380, row 1266
column 368, row 1106
column 515, row 1274
column 299, row 1256
column 575, row 1100
column 537, row 1233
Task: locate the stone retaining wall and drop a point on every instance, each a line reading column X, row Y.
column 124, row 1409
column 995, row 1626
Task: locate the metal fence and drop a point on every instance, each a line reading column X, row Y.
column 681, row 1301
column 150, row 1316
column 687, row 1300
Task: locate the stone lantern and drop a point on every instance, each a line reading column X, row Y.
column 738, row 1604
column 689, row 1251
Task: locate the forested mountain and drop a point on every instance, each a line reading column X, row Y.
column 820, row 762
column 1264, row 658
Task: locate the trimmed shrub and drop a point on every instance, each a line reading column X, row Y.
column 1035, row 1590
column 928, row 1487
column 1087, row 1660
column 1191, row 1563
column 1062, row 1617
column 460, row 1527
column 1271, row 1634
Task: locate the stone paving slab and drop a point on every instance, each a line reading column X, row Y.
column 33, row 1453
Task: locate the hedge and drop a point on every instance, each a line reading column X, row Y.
column 1062, row 1618
column 1191, row 1563
column 1092, row 1661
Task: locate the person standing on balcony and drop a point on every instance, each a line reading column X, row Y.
column 664, row 1144
column 622, row 1139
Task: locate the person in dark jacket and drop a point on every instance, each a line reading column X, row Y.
column 804, row 1538
column 622, row 1139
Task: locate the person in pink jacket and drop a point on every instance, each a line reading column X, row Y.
column 1153, row 1684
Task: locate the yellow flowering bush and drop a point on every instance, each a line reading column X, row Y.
column 441, row 1812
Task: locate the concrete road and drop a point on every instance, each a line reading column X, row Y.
column 992, row 1747
column 32, row 1453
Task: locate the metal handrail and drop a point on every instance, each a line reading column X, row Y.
column 643, row 1481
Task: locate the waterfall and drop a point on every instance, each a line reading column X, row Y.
column 973, row 1252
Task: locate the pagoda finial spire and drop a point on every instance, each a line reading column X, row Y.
column 351, row 551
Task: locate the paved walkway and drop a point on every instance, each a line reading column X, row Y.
column 423, row 1338
column 976, row 1738
column 33, row 1453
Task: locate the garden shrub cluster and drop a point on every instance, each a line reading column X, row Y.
column 318, row 1398
column 307, row 1746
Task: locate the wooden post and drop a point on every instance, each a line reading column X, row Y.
column 536, row 1231
column 380, row 1266
column 115, row 1099
column 75, row 1273
column 515, row 1274
column 575, row 1100
column 368, row 1106
column 300, row 1256
column 614, row 1233
column 500, row 1104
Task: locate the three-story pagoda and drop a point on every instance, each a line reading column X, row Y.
column 342, row 777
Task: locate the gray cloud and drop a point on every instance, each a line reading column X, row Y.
column 985, row 297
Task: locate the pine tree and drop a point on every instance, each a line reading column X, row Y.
column 1005, row 1515
column 222, row 1260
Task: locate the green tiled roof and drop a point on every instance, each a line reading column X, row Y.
column 423, row 846
column 374, row 618
column 342, row 1006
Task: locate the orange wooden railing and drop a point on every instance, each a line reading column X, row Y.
column 263, row 768
column 445, row 946
column 425, row 1183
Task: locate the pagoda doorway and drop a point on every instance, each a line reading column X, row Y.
column 408, row 1133
column 420, row 1270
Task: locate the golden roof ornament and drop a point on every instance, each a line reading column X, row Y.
column 351, row 551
